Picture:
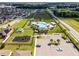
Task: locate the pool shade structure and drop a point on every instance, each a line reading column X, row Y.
column 21, row 39
column 19, row 30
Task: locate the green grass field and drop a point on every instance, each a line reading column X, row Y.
column 24, row 33
column 20, row 24
column 57, row 29
column 72, row 22
column 1, row 40
column 27, row 31
column 44, row 17
column 21, row 47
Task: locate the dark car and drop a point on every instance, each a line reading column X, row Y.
column 49, row 44
column 38, row 45
column 68, row 41
column 2, row 55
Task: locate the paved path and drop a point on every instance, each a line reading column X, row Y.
column 35, row 47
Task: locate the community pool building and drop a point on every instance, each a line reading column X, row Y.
column 42, row 25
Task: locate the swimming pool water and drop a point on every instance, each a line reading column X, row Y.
column 42, row 24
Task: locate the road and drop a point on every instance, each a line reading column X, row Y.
column 71, row 30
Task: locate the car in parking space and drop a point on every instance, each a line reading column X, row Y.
column 59, row 49
column 2, row 55
column 38, row 45
column 68, row 41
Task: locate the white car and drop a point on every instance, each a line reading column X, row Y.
column 59, row 49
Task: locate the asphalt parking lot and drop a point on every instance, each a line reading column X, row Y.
column 45, row 50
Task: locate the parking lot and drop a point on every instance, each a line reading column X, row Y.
column 45, row 50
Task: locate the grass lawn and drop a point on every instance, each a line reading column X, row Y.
column 27, row 31
column 57, row 29
column 21, row 47
column 20, row 24
column 47, row 20
column 1, row 40
column 72, row 22
column 24, row 33
column 44, row 17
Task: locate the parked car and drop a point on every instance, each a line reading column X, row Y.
column 2, row 55
column 38, row 45
column 59, row 49
column 68, row 41
column 49, row 44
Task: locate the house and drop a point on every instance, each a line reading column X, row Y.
column 1, row 21
column 4, row 31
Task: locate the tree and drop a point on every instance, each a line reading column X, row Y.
column 51, row 40
column 58, row 40
column 2, row 45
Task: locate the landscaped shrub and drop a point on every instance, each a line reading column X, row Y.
column 49, row 44
column 54, row 43
column 64, row 36
column 2, row 45
column 38, row 36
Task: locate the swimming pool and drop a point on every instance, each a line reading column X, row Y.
column 42, row 25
